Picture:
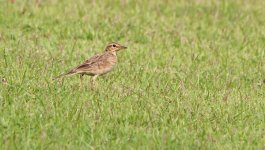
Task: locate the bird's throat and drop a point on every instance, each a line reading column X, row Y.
column 113, row 53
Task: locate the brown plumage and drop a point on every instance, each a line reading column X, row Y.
column 97, row 65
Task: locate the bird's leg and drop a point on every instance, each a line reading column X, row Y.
column 93, row 80
column 81, row 80
column 61, row 81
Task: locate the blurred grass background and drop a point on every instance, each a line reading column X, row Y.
column 191, row 78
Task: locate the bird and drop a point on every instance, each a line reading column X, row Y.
column 97, row 65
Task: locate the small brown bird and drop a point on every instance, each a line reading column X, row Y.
column 97, row 65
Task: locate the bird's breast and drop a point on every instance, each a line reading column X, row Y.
column 106, row 65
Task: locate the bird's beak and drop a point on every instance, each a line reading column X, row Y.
column 123, row 47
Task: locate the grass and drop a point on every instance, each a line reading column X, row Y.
column 192, row 77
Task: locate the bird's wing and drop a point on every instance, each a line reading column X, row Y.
column 86, row 65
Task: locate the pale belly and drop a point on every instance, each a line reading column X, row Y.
column 102, row 71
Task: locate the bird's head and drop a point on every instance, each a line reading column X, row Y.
column 113, row 47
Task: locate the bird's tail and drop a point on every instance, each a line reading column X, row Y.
column 63, row 75
column 58, row 77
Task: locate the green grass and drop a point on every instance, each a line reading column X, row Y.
column 192, row 77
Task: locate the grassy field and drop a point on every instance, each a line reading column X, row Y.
column 191, row 78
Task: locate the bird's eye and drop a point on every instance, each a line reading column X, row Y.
column 114, row 45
